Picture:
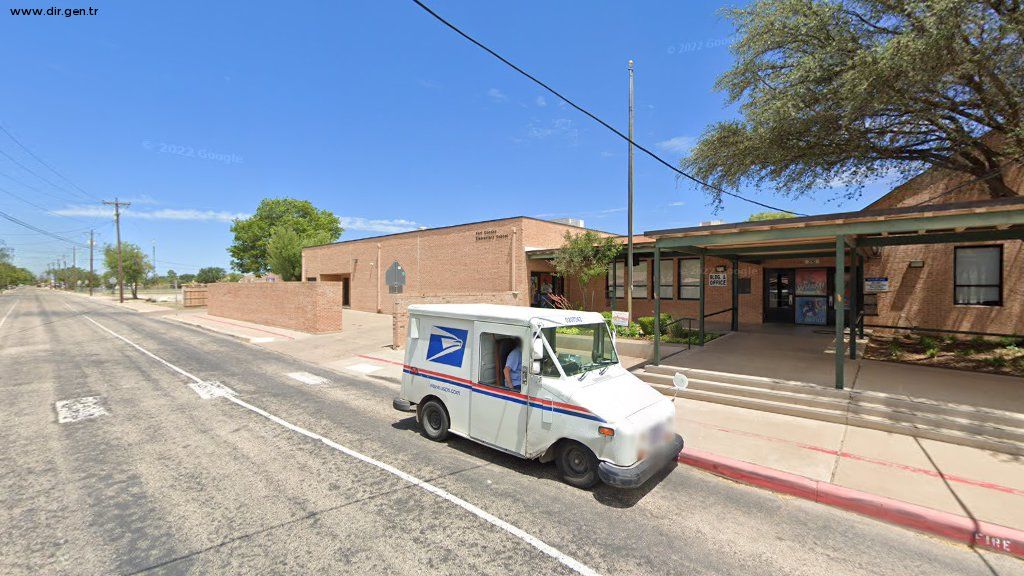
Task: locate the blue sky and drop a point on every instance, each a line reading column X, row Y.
column 195, row 111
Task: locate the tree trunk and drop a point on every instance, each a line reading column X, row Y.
column 997, row 188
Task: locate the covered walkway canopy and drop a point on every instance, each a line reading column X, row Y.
column 849, row 236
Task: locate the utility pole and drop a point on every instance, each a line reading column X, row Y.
column 74, row 268
column 91, row 273
column 154, row 258
column 629, row 209
column 117, row 224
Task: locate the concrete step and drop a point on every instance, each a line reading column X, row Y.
column 901, row 421
column 922, row 406
column 901, row 414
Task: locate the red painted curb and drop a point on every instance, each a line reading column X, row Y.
column 960, row 528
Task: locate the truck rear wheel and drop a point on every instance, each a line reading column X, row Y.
column 577, row 464
column 434, row 420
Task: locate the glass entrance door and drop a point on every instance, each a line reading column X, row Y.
column 778, row 295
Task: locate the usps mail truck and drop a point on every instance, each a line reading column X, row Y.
column 540, row 384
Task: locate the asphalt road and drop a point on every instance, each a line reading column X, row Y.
column 168, row 482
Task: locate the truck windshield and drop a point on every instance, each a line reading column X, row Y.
column 578, row 349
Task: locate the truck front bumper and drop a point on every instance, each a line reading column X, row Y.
column 637, row 474
column 402, row 405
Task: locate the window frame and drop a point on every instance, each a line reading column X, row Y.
column 648, row 266
column 670, row 263
column 681, row 284
column 999, row 286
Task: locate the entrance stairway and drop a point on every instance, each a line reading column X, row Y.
column 983, row 428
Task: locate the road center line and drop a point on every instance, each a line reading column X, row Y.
column 540, row 545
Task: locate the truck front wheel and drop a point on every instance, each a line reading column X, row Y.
column 577, row 464
column 434, row 420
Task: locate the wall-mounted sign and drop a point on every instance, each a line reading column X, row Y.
column 490, row 235
column 395, row 278
column 718, row 280
column 877, row 284
column 620, row 318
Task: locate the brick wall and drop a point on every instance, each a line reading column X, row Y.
column 475, row 258
column 307, row 307
column 400, row 314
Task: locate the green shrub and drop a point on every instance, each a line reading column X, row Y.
column 927, row 342
column 679, row 330
column 931, row 352
column 895, row 349
column 647, row 323
column 964, row 352
column 997, row 362
column 631, row 331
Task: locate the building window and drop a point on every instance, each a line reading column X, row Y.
column 616, row 280
column 640, row 280
column 666, row 288
column 689, row 279
column 310, row 278
column 978, row 275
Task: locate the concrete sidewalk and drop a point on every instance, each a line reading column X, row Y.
column 976, row 484
column 138, row 305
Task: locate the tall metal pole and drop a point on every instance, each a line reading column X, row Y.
column 74, row 268
column 91, row 272
column 629, row 208
column 154, row 258
column 117, row 224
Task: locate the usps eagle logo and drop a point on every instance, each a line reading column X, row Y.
column 447, row 346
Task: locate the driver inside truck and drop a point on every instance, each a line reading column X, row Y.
column 514, row 368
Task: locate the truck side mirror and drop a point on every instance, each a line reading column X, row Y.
column 538, row 348
column 680, row 381
column 536, row 366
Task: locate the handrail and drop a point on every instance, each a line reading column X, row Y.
column 730, row 309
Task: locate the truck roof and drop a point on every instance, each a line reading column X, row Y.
column 505, row 314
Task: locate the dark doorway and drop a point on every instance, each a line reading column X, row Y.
column 543, row 285
column 778, row 295
column 344, row 292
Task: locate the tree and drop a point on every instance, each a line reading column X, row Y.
column 584, row 257
column 284, row 251
column 135, row 264
column 11, row 275
column 845, row 91
column 762, row 216
column 172, row 278
column 209, row 275
column 187, row 278
column 249, row 252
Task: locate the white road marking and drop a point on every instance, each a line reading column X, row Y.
column 210, row 389
column 307, row 378
column 526, row 537
column 363, row 368
column 9, row 310
column 78, row 409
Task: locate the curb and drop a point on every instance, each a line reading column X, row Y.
column 974, row 533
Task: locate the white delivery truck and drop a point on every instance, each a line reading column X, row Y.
column 563, row 396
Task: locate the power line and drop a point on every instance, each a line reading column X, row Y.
column 51, row 168
column 595, row 118
column 23, row 224
column 34, row 205
column 986, row 176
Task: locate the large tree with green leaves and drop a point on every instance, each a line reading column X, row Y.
column 249, row 252
column 585, row 256
column 284, row 251
column 135, row 264
column 210, row 274
column 845, row 91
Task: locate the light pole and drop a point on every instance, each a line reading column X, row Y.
column 629, row 208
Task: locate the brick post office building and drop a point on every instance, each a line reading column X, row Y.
column 935, row 253
column 476, row 262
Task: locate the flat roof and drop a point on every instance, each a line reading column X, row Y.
column 504, row 313
column 477, row 223
column 975, row 206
